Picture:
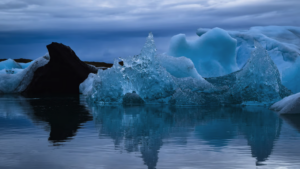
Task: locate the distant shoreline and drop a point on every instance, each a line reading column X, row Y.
column 96, row 64
column 21, row 60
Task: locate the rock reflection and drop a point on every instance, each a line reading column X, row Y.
column 63, row 114
column 144, row 128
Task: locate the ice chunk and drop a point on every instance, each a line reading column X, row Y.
column 9, row 64
column 16, row 83
column 141, row 73
column 288, row 105
column 213, row 53
column 258, row 81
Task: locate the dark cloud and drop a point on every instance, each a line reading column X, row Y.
column 13, row 5
column 118, row 27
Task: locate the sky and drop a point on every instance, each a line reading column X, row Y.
column 102, row 30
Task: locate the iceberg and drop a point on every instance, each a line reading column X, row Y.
column 16, row 82
column 213, row 53
column 257, row 82
column 141, row 73
column 288, row 105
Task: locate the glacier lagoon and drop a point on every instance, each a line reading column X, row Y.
column 67, row 132
column 232, row 71
column 207, row 71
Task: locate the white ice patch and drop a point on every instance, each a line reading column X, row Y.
column 179, row 66
column 17, row 82
column 9, row 64
column 288, row 105
column 86, row 87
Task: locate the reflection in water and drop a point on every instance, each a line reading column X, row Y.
column 64, row 114
column 261, row 128
column 146, row 129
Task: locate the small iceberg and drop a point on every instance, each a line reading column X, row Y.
column 288, row 105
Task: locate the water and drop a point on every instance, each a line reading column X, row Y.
column 65, row 132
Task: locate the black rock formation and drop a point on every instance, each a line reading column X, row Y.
column 64, row 115
column 62, row 75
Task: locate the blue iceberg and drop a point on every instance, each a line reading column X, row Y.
column 156, row 82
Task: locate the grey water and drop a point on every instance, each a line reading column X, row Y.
column 66, row 132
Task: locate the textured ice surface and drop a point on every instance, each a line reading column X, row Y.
column 11, row 71
column 257, row 82
column 9, row 64
column 288, row 105
column 141, row 73
column 213, row 54
column 16, row 83
column 291, row 77
column 282, row 44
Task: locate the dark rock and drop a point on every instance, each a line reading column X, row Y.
column 132, row 99
column 62, row 75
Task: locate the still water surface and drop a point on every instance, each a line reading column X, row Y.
column 65, row 132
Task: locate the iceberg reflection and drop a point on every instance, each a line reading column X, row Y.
column 145, row 128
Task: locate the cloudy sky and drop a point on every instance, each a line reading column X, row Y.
column 102, row 30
